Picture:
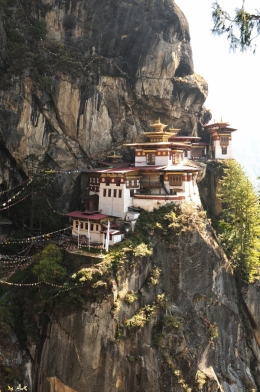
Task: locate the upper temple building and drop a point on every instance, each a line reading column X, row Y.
column 220, row 146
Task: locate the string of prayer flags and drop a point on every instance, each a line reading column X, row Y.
column 28, row 181
column 35, row 238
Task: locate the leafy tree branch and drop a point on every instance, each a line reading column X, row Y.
column 241, row 29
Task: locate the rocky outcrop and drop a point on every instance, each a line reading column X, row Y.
column 194, row 340
column 209, row 187
column 131, row 62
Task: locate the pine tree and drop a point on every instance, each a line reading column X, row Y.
column 241, row 29
column 239, row 227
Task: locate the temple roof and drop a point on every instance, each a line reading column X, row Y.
column 158, row 124
column 219, row 127
column 90, row 215
column 158, row 144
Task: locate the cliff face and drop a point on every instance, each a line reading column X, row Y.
column 194, row 340
column 103, row 73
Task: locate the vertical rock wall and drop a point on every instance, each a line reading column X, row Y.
column 132, row 63
column 207, row 346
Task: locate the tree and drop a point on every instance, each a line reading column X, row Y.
column 241, row 29
column 239, row 227
column 48, row 267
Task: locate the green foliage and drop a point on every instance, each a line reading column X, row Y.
column 140, row 318
column 131, row 297
column 239, row 226
column 201, row 379
column 171, row 322
column 36, row 210
column 88, row 275
column 39, row 29
column 48, row 266
column 154, row 276
column 142, row 250
column 240, row 29
column 168, row 222
column 213, row 331
column 44, row 83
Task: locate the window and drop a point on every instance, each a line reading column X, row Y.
column 86, row 225
column 94, row 180
column 224, row 140
column 104, row 192
column 132, row 184
column 150, row 158
column 118, row 182
column 120, row 193
column 98, row 180
column 97, row 227
column 176, row 158
column 107, row 181
column 175, row 180
column 76, row 224
column 115, row 191
column 82, row 225
column 91, row 226
column 224, row 150
column 109, row 193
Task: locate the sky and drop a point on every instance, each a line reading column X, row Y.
column 233, row 79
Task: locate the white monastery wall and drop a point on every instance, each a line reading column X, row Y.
column 140, row 160
column 115, row 206
column 218, row 151
column 162, row 160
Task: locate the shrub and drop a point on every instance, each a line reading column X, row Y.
column 200, row 379
column 142, row 250
column 154, row 276
column 48, row 265
column 131, row 297
column 140, row 318
column 39, row 29
column 171, row 322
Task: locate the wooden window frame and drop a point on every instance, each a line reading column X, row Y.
column 150, row 158
column 175, row 179
column 224, row 150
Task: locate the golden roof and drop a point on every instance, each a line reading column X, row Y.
column 158, row 124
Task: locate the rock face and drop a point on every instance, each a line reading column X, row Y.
column 198, row 344
column 132, row 63
column 209, row 187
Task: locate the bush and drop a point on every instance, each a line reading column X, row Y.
column 171, row 322
column 131, row 297
column 39, row 30
column 140, row 318
column 154, row 276
column 48, row 267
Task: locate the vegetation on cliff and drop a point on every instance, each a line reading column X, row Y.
column 239, row 226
